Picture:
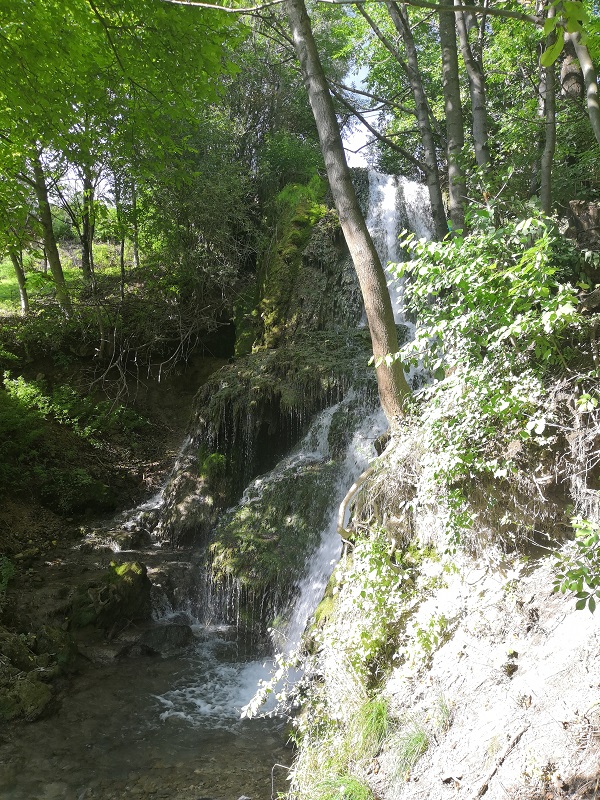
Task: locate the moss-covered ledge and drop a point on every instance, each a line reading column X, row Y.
column 250, row 413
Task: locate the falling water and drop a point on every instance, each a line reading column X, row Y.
column 320, row 565
column 396, row 204
column 228, row 685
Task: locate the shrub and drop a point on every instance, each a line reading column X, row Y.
column 578, row 571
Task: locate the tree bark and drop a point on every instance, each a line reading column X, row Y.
column 50, row 247
column 87, row 230
column 591, row 82
column 547, row 159
column 393, row 388
column 399, row 17
column 477, row 91
column 454, row 116
column 134, row 219
column 17, row 262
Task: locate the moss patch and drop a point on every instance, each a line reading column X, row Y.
column 121, row 595
column 265, row 541
column 299, row 208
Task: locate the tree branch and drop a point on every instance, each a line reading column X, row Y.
column 386, row 42
column 380, row 136
column 476, row 9
column 377, row 98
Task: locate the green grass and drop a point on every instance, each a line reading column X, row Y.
column 410, row 744
column 9, row 289
column 40, row 286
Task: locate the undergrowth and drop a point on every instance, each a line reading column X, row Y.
column 515, row 369
column 50, row 437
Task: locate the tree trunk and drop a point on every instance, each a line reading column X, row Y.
column 549, row 143
column 134, row 216
column 87, row 230
column 477, row 91
column 393, row 388
column 17, row 261
column 591, row 82
column 50, row 247
column 454, row 116
column 399, row 17
column 550, row 130
column 121, row 225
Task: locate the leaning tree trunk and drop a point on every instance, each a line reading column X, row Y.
column 17, row 262
column 399, row 17
column 477, row 92
column 454, row 116
column 591, row 82
column 393, row 388
column 50, row 246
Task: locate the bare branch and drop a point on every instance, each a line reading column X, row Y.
column 387, row 43
column 380, row 136
column 377, row 98
column 226, row 9
column 475, row 9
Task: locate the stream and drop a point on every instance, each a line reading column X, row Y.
column 111, row 738
column 170, row 726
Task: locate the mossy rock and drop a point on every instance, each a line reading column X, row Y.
column 14, row 651
column 56, row 646
column 265, row 541
column 250, row 413
column 25, row 697
column 119, row 596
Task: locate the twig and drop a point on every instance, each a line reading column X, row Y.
column 282, row 766
column 499, row 761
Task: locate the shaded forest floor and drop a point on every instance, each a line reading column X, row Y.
column 131, row 464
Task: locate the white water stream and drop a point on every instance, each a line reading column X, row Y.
column 397, row 204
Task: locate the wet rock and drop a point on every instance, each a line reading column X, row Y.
column 24, row 697
column 14, row 651
column 120, row 596
column 132, row 539
column 57, row 646
column 157, row 640
column 168, row 638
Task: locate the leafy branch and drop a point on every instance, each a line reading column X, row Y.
column 579, row 571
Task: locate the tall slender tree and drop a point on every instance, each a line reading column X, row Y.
column 393, row 387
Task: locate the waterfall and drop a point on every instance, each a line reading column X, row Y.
column 396, row 204
column 320, row 565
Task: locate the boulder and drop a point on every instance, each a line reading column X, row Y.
column 119, row 596
column 158, row 640
column 24, row 697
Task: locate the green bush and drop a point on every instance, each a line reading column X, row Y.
column 578, row 571
column 498, row 322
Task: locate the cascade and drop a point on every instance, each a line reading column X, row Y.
column 396, row 204
column 183, row 711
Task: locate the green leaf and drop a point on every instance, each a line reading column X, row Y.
column 550, row 55
column 580, row 605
